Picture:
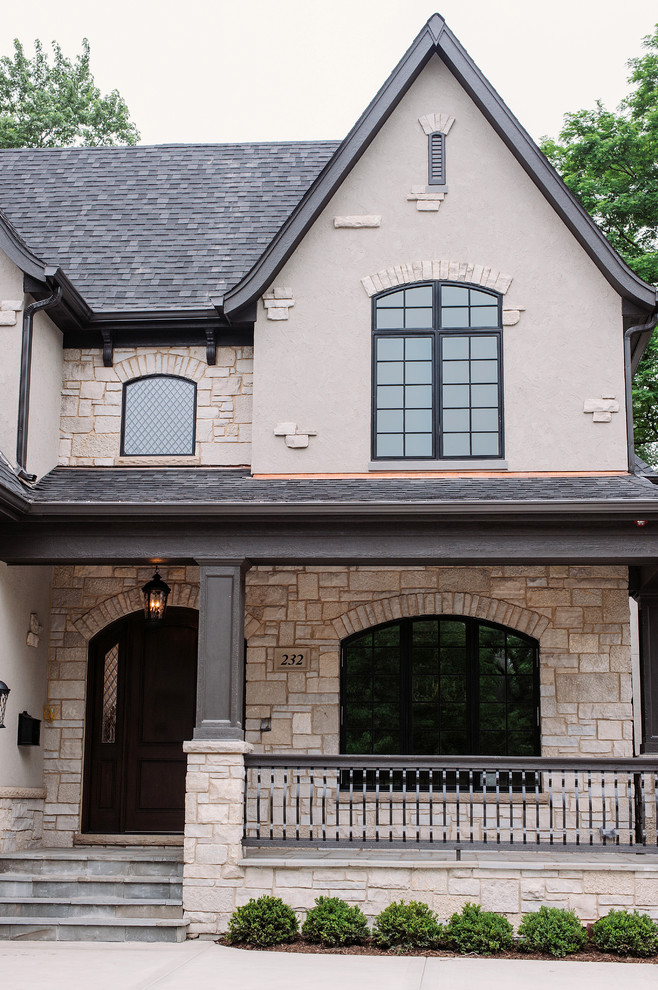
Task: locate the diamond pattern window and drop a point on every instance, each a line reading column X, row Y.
column 159, row 416
column 437, row 373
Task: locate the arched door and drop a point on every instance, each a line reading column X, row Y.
column 141, row 699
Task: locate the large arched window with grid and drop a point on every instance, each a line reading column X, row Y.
column 159, row 416
column 440, row 685
column 437, row 373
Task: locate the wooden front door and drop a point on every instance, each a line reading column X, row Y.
column 141, row 702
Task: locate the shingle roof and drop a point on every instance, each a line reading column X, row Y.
column 160, row 227
column 221, row 487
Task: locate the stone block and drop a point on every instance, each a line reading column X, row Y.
column 587, row 687
column 500, row 895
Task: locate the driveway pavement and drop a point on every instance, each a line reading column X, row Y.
column 197, row 964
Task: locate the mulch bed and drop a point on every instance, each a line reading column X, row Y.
column 369, row 949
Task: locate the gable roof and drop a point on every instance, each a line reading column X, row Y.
column 150, row 227
column 177, row 227
column 437, row 39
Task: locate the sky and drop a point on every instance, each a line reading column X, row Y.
column 250, row 70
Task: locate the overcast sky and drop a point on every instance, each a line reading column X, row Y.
column 249, row 70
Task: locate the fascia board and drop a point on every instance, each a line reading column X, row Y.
column 17, row 251
column 345, row 157
column 619, row 508
column 539, row 169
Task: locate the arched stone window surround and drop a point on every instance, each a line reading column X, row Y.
column 443, row 270
column 360, row 617
column 140, row 365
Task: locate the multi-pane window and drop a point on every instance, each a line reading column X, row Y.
column 440, row 685
column 159, row 415
column 437, row 373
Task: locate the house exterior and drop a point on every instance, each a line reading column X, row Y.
column 364, row 406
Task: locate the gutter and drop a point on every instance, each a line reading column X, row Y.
column 24, row 384
column 628, row 384
column 625, row 509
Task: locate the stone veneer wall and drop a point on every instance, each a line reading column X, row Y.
column 21, row 818
column 85, row 599
column 580, row 615
column 90, row 428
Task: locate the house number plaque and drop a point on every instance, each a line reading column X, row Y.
column 291, row 658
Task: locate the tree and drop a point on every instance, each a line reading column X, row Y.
column 44, row 105
column 610, row 161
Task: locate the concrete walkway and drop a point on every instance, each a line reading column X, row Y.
column 195, row 964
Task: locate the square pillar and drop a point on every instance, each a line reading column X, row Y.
column 220, row 680
column 214, row 827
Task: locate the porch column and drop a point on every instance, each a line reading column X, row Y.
column 648, row 606
column 220, row 679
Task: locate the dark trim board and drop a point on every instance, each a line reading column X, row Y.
column 353, row 540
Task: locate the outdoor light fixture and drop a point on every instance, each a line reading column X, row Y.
column 156, row 593
column 4, row 691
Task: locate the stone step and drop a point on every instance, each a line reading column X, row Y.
column 24, row 885
column 88, row 929
column 83, row 907
column 93, row 861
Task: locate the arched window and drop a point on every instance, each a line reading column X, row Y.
column 159, row 416
column 440, row 685
column 437, row 373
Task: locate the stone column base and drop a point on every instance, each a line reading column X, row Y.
column 214, row 824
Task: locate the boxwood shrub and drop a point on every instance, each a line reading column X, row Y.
column 554, row 931
column 411, row 925
column 478, row 931
column 626, row 933
column 264, row 921
column 333, row 922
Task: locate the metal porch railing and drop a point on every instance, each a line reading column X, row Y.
column 451, row 802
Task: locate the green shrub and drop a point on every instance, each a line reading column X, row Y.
column 333, row 922
column 555, row 931
column 626, row 933
column 482, row 932
column 265, row 921
column 407, row 926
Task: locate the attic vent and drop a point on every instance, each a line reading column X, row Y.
column 437, row 159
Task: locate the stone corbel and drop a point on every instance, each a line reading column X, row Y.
column 108, row 348
column 295, row 436
column 277, row 302
column 427, row 201
column 602, row 409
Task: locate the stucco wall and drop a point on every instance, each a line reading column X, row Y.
column 90, row 426
column 313, row 367
column 23, row 668
column 46, row 375
column 11, row 289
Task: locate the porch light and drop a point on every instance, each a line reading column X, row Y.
column 4, row 691
column 156, row 593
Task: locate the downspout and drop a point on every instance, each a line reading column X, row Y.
column 24, row 383
column 628, row 381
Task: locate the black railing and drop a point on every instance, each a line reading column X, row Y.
column 452, row 802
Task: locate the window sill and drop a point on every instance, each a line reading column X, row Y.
column 493, row 464
column 156, row 460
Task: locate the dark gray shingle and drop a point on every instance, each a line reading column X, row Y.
column 221, row 486
column 161, row 227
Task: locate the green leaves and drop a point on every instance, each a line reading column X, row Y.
column 56, row 104
column 610, row 161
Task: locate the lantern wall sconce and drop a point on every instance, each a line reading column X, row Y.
column 4, row 692
column 156, row 593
